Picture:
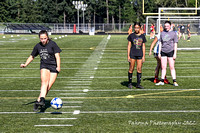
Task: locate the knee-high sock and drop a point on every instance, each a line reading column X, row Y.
column 130, row 77
column 139, row 76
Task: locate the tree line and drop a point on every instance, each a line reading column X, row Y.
column 97, row 11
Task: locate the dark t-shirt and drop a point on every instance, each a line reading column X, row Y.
column 137, row 44
column 182, row 28
column 47, row 52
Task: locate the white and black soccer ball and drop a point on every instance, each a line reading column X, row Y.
column 56, row 103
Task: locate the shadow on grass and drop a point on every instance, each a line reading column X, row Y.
column 150, row 79
column 125, row 83
column 41, row 110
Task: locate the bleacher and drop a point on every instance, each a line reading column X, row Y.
column 30, row 27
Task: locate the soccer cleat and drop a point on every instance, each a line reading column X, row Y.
column 42, row 102
column 139, row 86
column 175, row 84
column 35, row 106
column 160, row 83
column 130, row 85
column 166, row 81
column 156, row 80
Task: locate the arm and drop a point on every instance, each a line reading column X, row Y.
column 143, row 50
column 128, row 51
column 28, row 61
column 175, row 51
column 152, row 45
column 57, row 55
column 159, row 52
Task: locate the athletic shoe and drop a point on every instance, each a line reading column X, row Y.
column 156, row 80
column 166, row 81
column 35, row 106
column 130, row 85
column 139, row 86
column 160, row 83
column 175, row 84
column 42, row 102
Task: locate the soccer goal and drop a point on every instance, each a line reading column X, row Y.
column 190, row 20
column 176, row 21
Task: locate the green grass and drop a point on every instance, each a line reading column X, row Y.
column 108, row 89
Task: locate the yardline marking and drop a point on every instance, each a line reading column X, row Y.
column 140, row 96
column 58, row 118
column 89, row 73
column 53, row 125
column 71, row 106
column 73, row 93
column 114, row 90
column 109, row 112
column 89, row 77
column 72, row 101
column 93, row 64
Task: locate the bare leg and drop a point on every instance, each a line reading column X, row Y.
column 172, row 68
column 164, row 66
column 45, row 77
column 53, row 77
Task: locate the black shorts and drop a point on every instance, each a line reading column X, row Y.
column 51, row 68
column 170, row 54
column 182, row 32
column 136, row 57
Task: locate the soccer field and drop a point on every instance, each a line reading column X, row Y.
column 93, row 86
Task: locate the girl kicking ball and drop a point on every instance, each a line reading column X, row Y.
column 49, row 65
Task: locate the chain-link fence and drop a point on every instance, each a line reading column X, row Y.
column 63, row 28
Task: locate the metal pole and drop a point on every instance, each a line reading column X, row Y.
column 83, row 21
column 78, row 20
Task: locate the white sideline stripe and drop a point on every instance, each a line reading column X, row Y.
column 53, row 125
column 72, row 101
column 77, row 87
column 71, row 106
column 89, row 74
column 58, row 118
column 74, row 78
column 102, row 90
column 73, row 93
column 78, row 84
column 159, row 111
column 116, row 112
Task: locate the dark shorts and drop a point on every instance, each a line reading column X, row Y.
column 182, row 32
column 51, row 68
column 136, row 57
column 170, row 54
column 155, row 54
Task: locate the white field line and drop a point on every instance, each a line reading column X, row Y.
column 111, row 90
column 77, row 84
column 73, row 93
column 88, row 74
column 109, row 112
column 72, row 101
column 71, row 106
column 53, row 125
column 103, row 77
column 77, row 87
column 58, row 118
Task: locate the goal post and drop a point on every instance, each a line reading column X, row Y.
column 169, row 8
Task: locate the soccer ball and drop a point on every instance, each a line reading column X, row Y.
column 56, row 103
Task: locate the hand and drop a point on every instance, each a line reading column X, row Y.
column 129, row 59
column 174, row 57
column 22, row 65
column 159, row 56
column 143, row 59
column 149, row 53
column 58, row 69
